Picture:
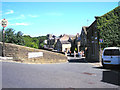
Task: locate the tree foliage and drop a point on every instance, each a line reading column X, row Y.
column 42, row 38
column 34, row 42
column 26, row 40
column 31, row 42
column 109, row 28
column 12, row 37
column 41, row 41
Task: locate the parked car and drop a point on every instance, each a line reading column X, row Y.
column 111, row 56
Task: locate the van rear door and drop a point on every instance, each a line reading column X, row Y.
column 111, row 56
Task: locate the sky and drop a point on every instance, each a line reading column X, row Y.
column 42, row 18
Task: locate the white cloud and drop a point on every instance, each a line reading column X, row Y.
column 20, row 24
column 54, row 14
column 22, row 16
column 24, row 24
column 33, row 16
column 10, row 12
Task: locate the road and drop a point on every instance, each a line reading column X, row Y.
column 64, row 75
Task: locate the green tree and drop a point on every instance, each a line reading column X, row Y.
column 19, row 40
column 31, row 41
column 27, row 40
column 41, row 41
column 12, row 37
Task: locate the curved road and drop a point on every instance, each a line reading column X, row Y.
column 64, row 75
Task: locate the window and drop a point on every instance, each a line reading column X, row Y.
column 112, row 52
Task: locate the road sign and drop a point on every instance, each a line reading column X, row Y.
column 4, row 23
column 101, row 40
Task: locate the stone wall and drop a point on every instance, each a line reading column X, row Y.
column 20, row 53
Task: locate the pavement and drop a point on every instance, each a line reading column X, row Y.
column 70, row 59
column 6, row 58
column 82, row 60
column 97, row 64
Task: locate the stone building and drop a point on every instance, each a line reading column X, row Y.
column 83, row 38
column 92, row 43
column 73, row 41
column 76, row 43
column 63, row 43
column 51, row 40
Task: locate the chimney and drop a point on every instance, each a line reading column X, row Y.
column 96, row 17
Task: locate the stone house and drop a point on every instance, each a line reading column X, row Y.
column 76, row 43
column 92, row 43
column 51, row 40
column 83, row 38
column 63, row 43
column 73, row 43
column 45, row 41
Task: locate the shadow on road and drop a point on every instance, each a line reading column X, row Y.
column 111, row 74
column 112, row 68
column 82, row 60
column 111, row 77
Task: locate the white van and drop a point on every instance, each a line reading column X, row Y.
column 111, row 56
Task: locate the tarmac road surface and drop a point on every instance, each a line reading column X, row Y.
column 64, row 75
